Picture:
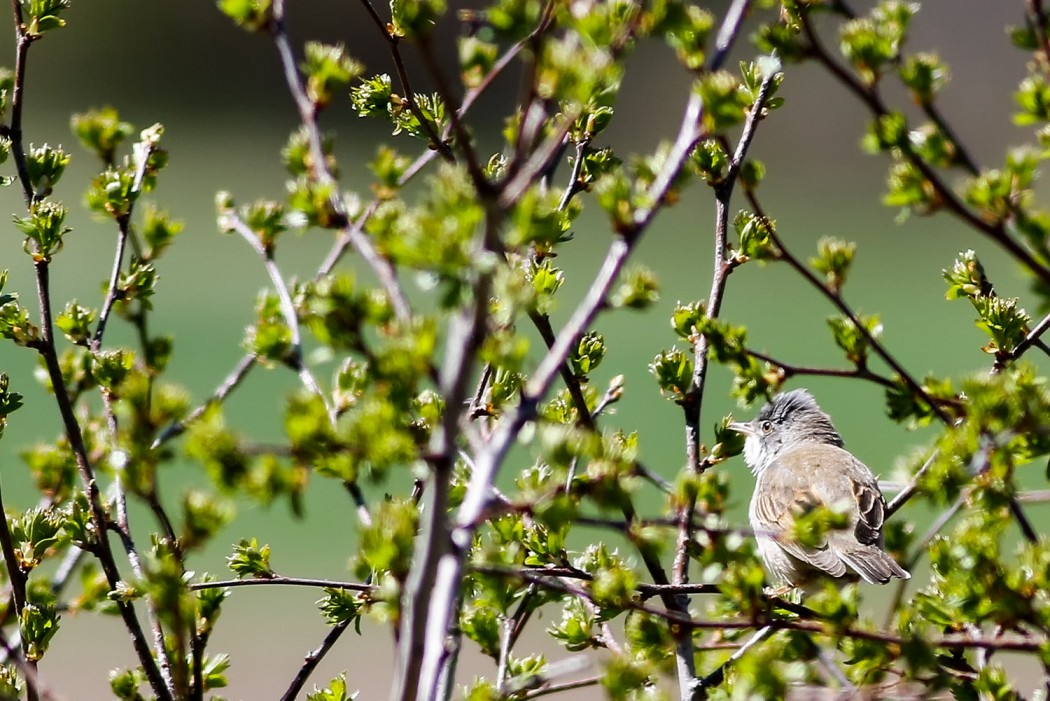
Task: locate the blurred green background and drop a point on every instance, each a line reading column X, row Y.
column 220, row 95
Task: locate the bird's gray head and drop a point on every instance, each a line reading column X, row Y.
column 790, row 419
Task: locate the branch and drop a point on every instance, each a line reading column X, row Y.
column 1032, row 338
column 788, row 370
column 693, row 400
column 47, row 350
column 463, row 141
column 424, row 628
column 437, row 143
column 231, row 220
column 17, row 99
column 143, row 150
column 34, row 688
column 18, row 578
column 834, row 629
column 102, row 551
column 870, row 97
column 232, row 380
column 123, row 530
column 836, row 299
column 718, row 676
column 448, row 568
column 908, row 492
column 313, row 658
column 283, row 581
column 380, row 266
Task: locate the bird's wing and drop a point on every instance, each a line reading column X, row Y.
column 774, row 508
column 871, row 506
column 816, row 478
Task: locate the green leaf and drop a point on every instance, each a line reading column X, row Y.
column 834, row 258
column 44, row 229
column 871, row 43
column 925, row 75
column 586, row 355
column 673, row 370
column 250, row 560
column 340, row 605
column 327, row 68
column 386, row 544
column 252, row 15
column 726, row 100
column 639, row 290
column 851, row 339
column 335, row 691
column 43, row 15
column 413, row 18
column 476, row 58
column 102, row 132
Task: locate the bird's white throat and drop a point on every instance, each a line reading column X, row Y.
column 754, row 455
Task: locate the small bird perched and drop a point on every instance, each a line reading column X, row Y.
column 800, row 464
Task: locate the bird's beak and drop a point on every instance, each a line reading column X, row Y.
column 744, row 427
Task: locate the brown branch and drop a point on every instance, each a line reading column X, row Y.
column 995, row 231
column 313, row 658
column 380, row 266
column 837, row 300
column 437, row 143
column 463, row 142
column 236, row 376
column 102, row 549
column 564, row 686
column 283, row 581
column 1037, row 18
column 693, row 401
column 1033, row 337
column 46, row 348
column 788, row 370
column 1017, row 643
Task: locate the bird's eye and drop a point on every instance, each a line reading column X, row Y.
column 767, row 426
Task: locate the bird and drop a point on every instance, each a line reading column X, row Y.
column 800, row 463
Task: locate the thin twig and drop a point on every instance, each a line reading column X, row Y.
column 393, row 41
column 564, row 686
column 18, row 578
column 909, row 490
column 716, row 677
column 236, row 376
column 380, row 266
column 232, row 221
column 788, row 370
column 313, row 658
column 283, row 581
column 693, row 401
column 34, row 687
column 102, row 550
column 463, row 142
column 1022, row 642
column 837, row 300
column 1030, row 339
column 143, row 150
column 994, row 230
column 123, row 531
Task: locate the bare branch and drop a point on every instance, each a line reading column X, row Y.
column 283, row 581
column 313, row 658
column 232, row 380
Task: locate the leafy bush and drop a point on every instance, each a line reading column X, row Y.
column 490, row 447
